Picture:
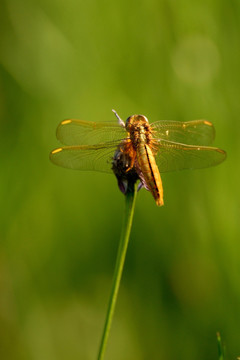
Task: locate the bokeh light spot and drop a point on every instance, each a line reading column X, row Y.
column 196, row 59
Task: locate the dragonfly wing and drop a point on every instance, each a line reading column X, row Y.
column 76, row 132
column 175, row 156
column 85, row 157
column 199, row 132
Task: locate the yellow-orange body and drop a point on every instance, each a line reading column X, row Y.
column 141, row 148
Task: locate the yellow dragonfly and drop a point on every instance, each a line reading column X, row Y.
column 136, row 149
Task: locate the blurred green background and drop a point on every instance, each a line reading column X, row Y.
column 60, row 229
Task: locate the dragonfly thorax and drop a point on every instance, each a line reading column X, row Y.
column 139, row 130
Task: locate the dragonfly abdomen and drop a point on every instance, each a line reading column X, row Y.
column 150, row 172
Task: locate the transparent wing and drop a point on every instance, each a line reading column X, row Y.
column 175, row 156
column 78, row 132
column 196, row 132
column 85, row 157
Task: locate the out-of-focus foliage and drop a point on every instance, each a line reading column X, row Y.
column 59, row 229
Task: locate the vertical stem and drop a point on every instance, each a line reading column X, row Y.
column 130, row 198
column 221, row 351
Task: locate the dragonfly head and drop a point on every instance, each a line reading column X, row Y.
column 136, row 120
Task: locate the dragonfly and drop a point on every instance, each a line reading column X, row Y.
column 136, row 149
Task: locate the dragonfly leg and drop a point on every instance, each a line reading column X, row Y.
column 120, row 121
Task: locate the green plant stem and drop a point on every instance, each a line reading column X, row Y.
column 220, row 347
column 130, row 198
